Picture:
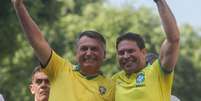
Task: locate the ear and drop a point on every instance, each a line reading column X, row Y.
column 104, row 54
column 144, row 51
column 32, row 89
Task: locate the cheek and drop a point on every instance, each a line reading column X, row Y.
column 103, row 55
column 120, row 60
column 99, row 54
column 37, row 89
column 78, row 55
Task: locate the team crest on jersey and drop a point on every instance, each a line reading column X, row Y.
column 102, row 90
column 140, row 78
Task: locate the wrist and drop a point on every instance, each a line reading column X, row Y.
column 156, row 1
column 18, row 6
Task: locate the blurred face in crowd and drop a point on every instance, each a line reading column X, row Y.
column 40, row 86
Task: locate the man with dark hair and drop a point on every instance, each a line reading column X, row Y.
column 82, row 82
column 139, row 81
column 39, row 86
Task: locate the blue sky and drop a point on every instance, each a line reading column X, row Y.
column 185, row 11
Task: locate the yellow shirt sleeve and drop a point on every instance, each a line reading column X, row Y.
column 55, row 66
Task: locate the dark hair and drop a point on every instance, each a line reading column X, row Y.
column 132, row 37
column 36, row 69
column 151, row 57
column 93, row 34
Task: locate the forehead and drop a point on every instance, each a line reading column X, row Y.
column 85, row 40
column 127, row 44
column 40, row 75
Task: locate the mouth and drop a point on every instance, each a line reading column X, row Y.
column 129, row 63
column 89, row 59
column 44, row 92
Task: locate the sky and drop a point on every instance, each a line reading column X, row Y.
column 185, row 11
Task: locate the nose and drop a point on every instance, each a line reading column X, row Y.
column 44, row 85
column 88, row 52
column 125, row 55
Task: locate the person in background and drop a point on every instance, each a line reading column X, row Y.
column 174, row 98
column 1, row 98
column 39, row 86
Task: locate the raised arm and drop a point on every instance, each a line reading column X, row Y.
column 33, row 33
column 170, row 48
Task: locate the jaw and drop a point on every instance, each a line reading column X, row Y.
column 131, row 67
column 89, row 69
column 89, row 64
column 43, row 97
column 93, row 63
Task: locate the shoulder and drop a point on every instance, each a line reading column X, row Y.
column 117, row 75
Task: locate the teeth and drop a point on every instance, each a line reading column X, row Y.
column 89, row 59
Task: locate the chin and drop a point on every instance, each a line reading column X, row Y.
column 130, row 70
column 89, row 65
column 45, row 98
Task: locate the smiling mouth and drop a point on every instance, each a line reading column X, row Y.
column 130, row 64
column 89, row 59
column 44, row 92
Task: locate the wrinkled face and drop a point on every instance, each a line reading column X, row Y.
column 130, row 57
column 40, row 86
column 90, row 53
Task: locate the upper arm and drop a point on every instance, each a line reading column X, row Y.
column 33, row 34
column 42, row 51
column 170, row 48
column 169, row 54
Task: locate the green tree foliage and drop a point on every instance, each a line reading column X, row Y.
column 188, row 70
column 62, row 20
column 16, row 56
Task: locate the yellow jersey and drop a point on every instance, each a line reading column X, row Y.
column 67, row 84
column 150, row 84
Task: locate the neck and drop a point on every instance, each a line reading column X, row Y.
column 89, row 72
column 129, row 73
column 40, row 99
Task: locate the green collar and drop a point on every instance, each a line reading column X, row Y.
column 77, row 68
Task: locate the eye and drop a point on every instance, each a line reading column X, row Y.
column 120, row 52
column 38, row 81
column 84, row 48
column 130, row 50
column 93, row 48
column 46, row 81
